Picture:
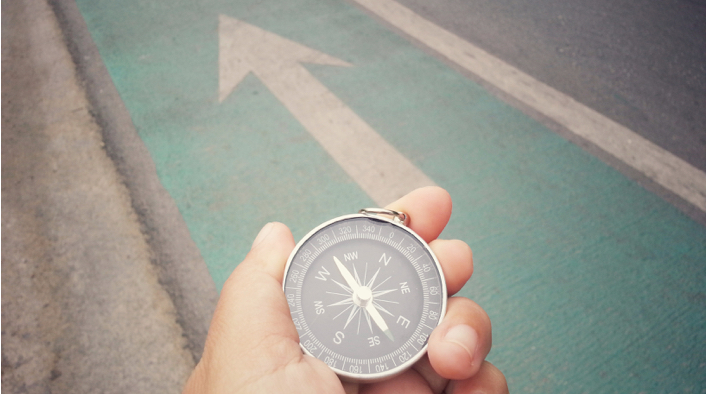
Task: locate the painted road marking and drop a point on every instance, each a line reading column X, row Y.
column 654, row 162
column 380, row 170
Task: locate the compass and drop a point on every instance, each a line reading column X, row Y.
column 365, row 292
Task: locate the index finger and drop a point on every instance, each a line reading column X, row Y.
column 429, row 210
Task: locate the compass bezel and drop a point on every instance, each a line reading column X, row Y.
column 399, row 225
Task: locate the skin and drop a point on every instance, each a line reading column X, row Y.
column 253, row 346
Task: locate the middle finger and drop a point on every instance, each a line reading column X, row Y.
column 456, row 259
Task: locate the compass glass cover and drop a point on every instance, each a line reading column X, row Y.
column 364, row 294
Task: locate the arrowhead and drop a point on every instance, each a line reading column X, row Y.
column 244, row 48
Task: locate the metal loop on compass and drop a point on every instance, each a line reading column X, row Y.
column 398, row 217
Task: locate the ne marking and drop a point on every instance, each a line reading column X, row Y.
column 380, row 170
column 673, row 173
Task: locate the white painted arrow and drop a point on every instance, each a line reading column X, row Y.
column 380, row 170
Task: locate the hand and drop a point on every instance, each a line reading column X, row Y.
column 253, row 347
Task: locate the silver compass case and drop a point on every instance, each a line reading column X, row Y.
column 365, row 292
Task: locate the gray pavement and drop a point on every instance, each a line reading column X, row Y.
column 641, row 64
column 86, row 304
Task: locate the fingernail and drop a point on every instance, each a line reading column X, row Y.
column 262, row 234
column 463, row 336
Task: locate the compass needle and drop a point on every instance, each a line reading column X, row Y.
column 379, row 320
column 330, row 307
column 346, row 274
column 383, row 309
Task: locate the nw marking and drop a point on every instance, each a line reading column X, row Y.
column 350, row 256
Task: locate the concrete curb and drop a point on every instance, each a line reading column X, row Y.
column 182, row 271
column 83, row 306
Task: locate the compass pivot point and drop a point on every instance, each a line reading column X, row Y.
column 362, row 296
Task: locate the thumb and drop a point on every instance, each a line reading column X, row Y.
column 270, row 250
column 251, row 331
column 252, row 299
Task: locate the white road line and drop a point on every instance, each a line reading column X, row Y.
column 654, row 162
column 380, row 170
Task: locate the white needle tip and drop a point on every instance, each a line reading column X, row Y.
column 389, row 335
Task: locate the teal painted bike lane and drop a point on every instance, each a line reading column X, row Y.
column 592, row 283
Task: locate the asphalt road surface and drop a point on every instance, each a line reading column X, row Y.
column 642, row 65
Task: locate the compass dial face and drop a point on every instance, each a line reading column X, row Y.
column 365, row 294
